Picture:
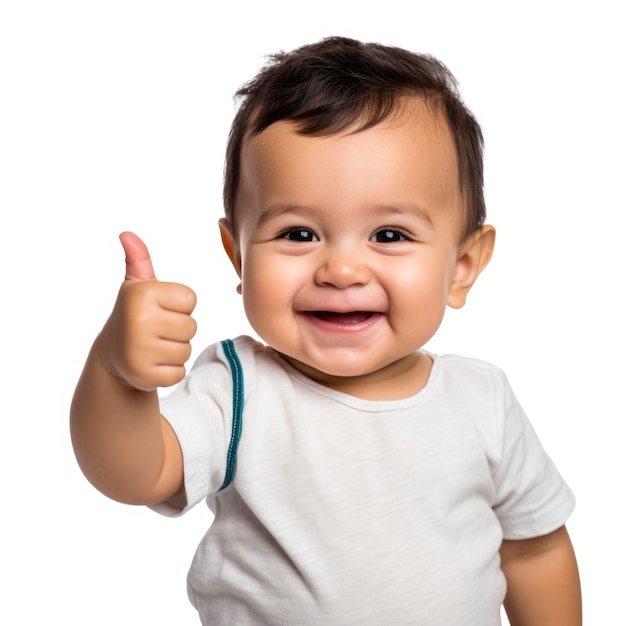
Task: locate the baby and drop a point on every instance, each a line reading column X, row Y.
column 355, row 478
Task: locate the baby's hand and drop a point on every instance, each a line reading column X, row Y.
column 145, row 342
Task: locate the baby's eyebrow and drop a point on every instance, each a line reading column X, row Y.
column 386, row 211
column 274, row 211
column 411, row 209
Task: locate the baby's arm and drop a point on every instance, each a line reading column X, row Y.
column 543, row 587
column 122, row 444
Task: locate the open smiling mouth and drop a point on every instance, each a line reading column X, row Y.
column 350, row 317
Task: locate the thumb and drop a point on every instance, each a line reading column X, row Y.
column 138, row 262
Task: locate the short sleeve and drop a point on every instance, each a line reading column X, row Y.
column 199, row 411
column 532, row 499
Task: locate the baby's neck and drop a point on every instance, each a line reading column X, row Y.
column 401, row 379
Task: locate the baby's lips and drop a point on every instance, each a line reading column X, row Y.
column 350, row 317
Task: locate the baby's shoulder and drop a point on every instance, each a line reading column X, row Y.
column 466, row 371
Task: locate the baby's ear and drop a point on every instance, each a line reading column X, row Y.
column 230, row 245
column 474, row 254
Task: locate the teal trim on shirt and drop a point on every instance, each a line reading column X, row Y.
column 237, row 374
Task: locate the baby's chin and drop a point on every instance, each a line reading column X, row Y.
column 338, row 373
column 323, row 371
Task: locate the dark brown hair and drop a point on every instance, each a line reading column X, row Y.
column 337, row 83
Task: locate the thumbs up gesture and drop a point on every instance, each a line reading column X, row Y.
column 146, row 339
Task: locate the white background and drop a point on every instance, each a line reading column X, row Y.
column 114, row 116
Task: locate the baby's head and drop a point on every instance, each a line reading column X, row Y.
column 340, row 84
column 354, row 210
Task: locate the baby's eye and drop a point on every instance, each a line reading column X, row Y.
column 299, row 234
column 388, row 235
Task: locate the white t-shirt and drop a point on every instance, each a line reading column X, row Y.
column 348, row 511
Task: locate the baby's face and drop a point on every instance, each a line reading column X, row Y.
column 347, row 245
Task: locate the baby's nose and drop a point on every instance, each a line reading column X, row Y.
column 342, row 268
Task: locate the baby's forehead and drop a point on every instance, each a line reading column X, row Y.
column 413, row 129
column 416, row 118
column 407, row 157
